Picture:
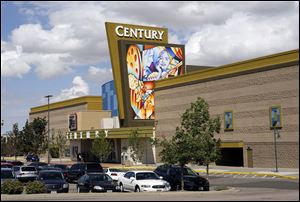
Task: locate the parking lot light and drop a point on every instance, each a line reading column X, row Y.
column 48, row 96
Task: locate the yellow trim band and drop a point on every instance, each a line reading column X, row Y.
column 232, row 145
column 93, row 103
column 231, row 69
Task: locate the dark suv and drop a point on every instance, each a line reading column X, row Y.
column 32, row 158
column 79, row 169
column 192, row 180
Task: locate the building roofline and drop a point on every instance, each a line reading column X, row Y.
column 68, row 103
column 264, row 63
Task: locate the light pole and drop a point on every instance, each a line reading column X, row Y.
column 275, row 143
column 48, row 96
column 2, row 124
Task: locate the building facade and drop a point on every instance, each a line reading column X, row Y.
column 242, row 94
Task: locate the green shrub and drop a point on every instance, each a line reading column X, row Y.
column 35, row 187
column 12, row 187
column 54, row 152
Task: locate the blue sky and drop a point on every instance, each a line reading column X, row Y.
column 60, row 48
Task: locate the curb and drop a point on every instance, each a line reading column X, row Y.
column 251, row 173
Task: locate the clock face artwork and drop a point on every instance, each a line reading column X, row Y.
column 146, row 64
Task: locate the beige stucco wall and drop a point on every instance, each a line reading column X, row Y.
column 89, row 120
column 249, row 96
column 59, row 118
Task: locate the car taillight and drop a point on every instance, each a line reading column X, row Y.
column 114, row 174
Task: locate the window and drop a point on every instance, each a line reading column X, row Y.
column 275, row 117
column 228, row 120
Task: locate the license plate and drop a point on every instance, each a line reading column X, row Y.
column 109, row 191
column 53, row 192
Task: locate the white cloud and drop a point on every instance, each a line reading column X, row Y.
column 79, row 88
column 12, row 61
column 214, row 32
column 99, row 75
column 241, row 37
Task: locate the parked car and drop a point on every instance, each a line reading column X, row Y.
column 113, row 173
column 142, row 181
column 79, row 169
column 16, row 163
column 32, row 158
column 192, row 180
column 6, row 165
column 38, row 165
column 96, row 182
column 15, row 169
column 7, row 174
column 64, row 169
column 54, row 181
column 26, row 173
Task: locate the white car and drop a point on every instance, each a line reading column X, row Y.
column 139, row 181
column 113, row 173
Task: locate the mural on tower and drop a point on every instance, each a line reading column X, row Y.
column 146, row 64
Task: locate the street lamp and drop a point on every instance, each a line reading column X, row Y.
column 48, row 96
column 276, row 132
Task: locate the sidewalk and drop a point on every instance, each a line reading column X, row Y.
column 287, row 173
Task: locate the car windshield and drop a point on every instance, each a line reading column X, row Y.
column 28, row 168
column 93, row 167
column 5, row 174
column 147, row 176
column 16, row 168
column 188, row 171
column 63, row 167
column 96, row 178
column 51, row 176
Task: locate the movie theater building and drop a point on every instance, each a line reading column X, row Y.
column 82, row 113
column 153, row 86
column 248, row 96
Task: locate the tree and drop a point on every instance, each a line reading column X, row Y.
column 194, row 140
column 34, row 136
column 14, row 141
column 196, row 121
column 3, row 147
column 60, row 142
column 136, row 146
column 101, row 147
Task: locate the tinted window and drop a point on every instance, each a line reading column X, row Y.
column 63, row 167
column 129, row 174
column 6, row 174
column 114, row 170
column 146, row 176
column 28, row 168
column 188, row 171
column 107, row 178
column 97, row 178
column 51, row 176
column 16, row 168
column 75, row 167
column 93, row 167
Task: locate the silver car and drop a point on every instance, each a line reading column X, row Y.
column 26, row 173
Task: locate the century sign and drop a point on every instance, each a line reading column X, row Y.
column 127, row 32
column 116, row 32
